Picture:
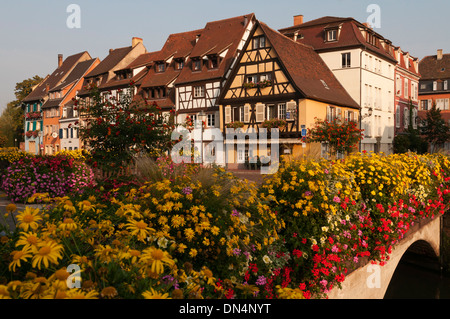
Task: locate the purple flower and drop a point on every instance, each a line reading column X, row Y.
column 187, row 190
column 261, row 281
column 235, row 213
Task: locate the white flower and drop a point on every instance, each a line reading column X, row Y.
column 266, row 259
column 162, row 242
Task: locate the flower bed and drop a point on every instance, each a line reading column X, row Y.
column 57, row 175
column 201, row 233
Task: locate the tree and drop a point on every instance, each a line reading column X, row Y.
column 410, row 140
column 341, row 136
column 436, row 129
column 116, row 130
column 11, row 119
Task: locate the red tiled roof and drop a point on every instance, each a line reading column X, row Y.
column 313, row 33
column 216, row 37
column 55, row 78
column 308, row 71
column 433, row 69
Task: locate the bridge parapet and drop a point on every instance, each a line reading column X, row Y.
column 370, row 281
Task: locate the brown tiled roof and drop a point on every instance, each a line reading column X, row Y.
column 308, row 71
column 55, row 78
column 77, row 73
column 113, row 58
column 216, row 37
column 433, row 69
column 313, row 34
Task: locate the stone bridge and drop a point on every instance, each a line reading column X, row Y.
column 372, row 281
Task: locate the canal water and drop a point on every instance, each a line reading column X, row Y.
column 418, row 277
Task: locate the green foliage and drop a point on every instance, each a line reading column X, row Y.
column 436, row 129
column 117, row 130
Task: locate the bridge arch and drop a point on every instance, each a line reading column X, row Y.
column 409, row 280
column 372, row 281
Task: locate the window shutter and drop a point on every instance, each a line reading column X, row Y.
column 227, row 114
column 246, row 113
column 60, row 133
column 260, row 114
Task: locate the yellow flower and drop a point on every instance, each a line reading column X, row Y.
column 193, row 252
column 4, row 293
column 86, row 206
column 18, row 256
column 140, row 229
column 80, row 294
column 11, row 208
column 189, row 233
column 157, row 258
column 68, row 224
column 49, row 252
column 28, row 240
column 29, row 218
column 153, row 294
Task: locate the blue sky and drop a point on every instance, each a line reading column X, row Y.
column 33, row 33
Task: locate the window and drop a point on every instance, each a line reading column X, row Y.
column 434, row 85
column 270, row 111
column 160, row 67
column 332, row 35
column 406, row 91
column 213, row 62
column 282, row 111
column 406, row 117
column 197, row 65
column 397, row 116
column 346, row 60
column 259, row 42
column 199, row 91
column 371, row 38
column 180, row 65
column 398, row 85
column 211, row 120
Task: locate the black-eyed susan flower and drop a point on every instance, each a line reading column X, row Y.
column 68, row 224
column 139, row 228
column 28, row 240
column 29, row 218
column 81, row 294
column 18, row 256
column 48, row 253
column 157, row 259
column 153, row 294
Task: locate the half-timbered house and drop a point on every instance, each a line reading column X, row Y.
column 279, row 83
column 200, row 83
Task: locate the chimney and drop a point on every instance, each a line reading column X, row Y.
column 439, row 54
column 60, row 60
column 111, row 50
column 47, row 88
column 298, row 19
column 135, row 41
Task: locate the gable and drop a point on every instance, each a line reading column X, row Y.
column 258, row 72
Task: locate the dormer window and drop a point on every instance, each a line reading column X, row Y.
column 213, row 62
column 372, row 39
column 197, row 65
column 331, row 35
column 180, row 64
column 160, row 67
